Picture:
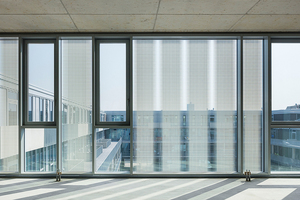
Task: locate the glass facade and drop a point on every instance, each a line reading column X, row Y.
column 184, row 116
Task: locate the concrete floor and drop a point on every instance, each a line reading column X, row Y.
column 154, row 188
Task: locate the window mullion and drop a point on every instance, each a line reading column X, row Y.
column 240, row 113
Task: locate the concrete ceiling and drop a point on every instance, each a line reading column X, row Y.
column 149, row 15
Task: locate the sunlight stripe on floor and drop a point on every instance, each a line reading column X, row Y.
column 281, row 181
column 103, row 189
column 219, row 190
column 199, row 187
column 87, row 182
column 14, row 181
column 135, row 189
column 29, row 193
column 263, row 194
column 26, row 185
column 168, row 190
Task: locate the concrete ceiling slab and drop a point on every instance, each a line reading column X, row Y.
column 149, row 15
column 33, row 23
column 276, row 7
column 258, row 23
column 215, row 7
column 183, row 23
column 112, row 23
column 31, row 7
column 119, row 7
column 42, row 31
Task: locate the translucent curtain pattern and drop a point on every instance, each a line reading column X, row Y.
column 184, row 106
column 76, row 64
column 9, row 105
column 252, row 104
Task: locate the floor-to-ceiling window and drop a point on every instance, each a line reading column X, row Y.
column 112, row 105
column 285, row 132
column 39, row 94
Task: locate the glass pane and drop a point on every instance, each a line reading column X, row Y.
column 184, row 106
column 112, row 82
column 41, row 82
column 112, row 150
column 40, row 150
column 285, row 71
column 76, row 98
column 285, row 149
column 253, row 62
column 9, row 105
column 285, row 107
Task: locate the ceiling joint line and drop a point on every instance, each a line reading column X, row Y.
column 252, row 7
column 230, row 29
column 156, row 15
column 236, row 22
column 69, row 15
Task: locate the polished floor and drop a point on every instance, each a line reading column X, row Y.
column 153, row 188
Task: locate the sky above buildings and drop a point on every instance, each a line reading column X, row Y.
column 41, row 66
column 285, row 75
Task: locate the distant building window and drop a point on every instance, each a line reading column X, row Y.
column 102, row 117
column 212, row 118
column 117, row 118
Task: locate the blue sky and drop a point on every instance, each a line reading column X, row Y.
column 41, row 65
column 285, row 75
column 113, row 77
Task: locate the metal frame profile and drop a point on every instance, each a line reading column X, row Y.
column 25, row 83
column 98, row 123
